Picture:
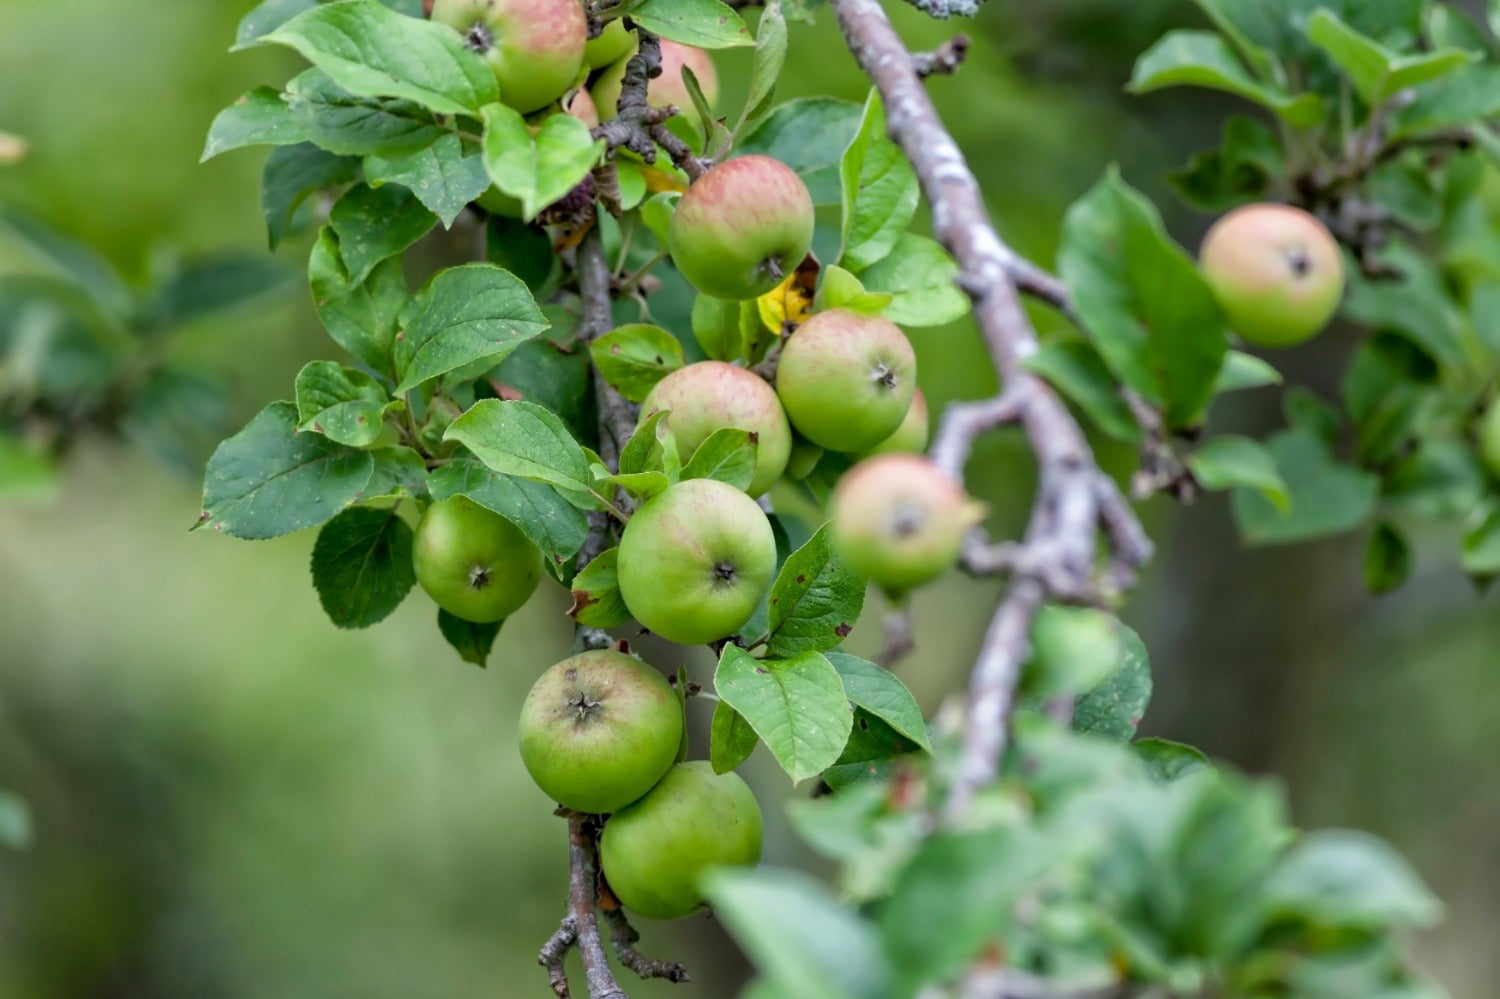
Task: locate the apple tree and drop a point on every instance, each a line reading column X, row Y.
column 643, row 348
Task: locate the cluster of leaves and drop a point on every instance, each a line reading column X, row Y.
column 84, row 352
column 1380, row 119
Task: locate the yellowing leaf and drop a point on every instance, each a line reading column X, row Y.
column 787, row 305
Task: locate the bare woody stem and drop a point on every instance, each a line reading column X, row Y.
column 637, row 125
column 1056, row 558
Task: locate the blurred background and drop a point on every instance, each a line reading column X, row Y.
column 232, row 798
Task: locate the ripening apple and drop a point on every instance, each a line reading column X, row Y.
column 1276, row 272
column 474, row 563
column 742, row 227
column 899, row 520
column 598, row 730
column 654, row 852
column 613, row 44
column 712, row 395
column 911, row 436
column 534, row 47
column 669, row 87
column 695, row 561
column 847, row 379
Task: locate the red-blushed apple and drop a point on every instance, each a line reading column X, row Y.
column 899, row 520
column 695, row 560
column 613, row 44
column 474, row 563
column 712, row 395
column 742, row 227
column 847, row 379
column 1276, row 272
column 654, row 852
column 534, row 47
column 598, row 730
column 911, row 436
column 669, row 87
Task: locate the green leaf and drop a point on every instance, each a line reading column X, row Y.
column 1238, row 172
column 641, row 485
column 731, row 740
column 810, row 136
column 797, row 706
column 633, row 358
column 549, row 374
column 342, row 404
column 400, row 472
column 922, row 281
column 1377, row 73
column 1075, row 369
column 1441, row 479
column 361, row 565
column 765, row 70
column 552, row 523
column 197, row 289
column 1244, row 371
column 1341, row 878
column 259, row 118
column 361, row 318
column 1073, row 650
column 472, row 641
column 718, row 329
column 1388, row 559
column 596, row 593
column 1203, row 59
column 444, row 176
column 1234, row 462
column 728, row 455
column 879, row 191
column 1114, row 708
column 268, row 480
column 291, row 174
column 881, row 693
column 1142, row 300
column 374, row 52
column 656, row 213
column 705, row 24
column 476, row 312
column 815, row 600
column 1468, row 95
column 1480, row 551
column 1168, row 760
column 537, row 170
column 1418, row 305
column 643, row 452
column 526, row 440
column 25, row 473
column 341, row 122
column 15, row 821
column 805, row 944
column 840, row 289
column 267, row 17
column 375, row 224
column 1327, row 497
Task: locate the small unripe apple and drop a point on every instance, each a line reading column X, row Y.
column 598, row 730
column 534, row 47
column 712, row 395
column 695, row 560
column 669, row 87
column 899, row 520
column 742, row 227
column 613, row 44
column 847, row 379
column 474, row 563
column 1276, row 272
column 654, row 852
column 911, row 436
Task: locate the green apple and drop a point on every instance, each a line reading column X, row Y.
column 1276, row 272
column 598, row 730
column 669, row 87
column 712, row 395
column 847, row 379
column 534, row 47
column 654, row 853
column 742, row 227
column 613, row 44
column 695, row 561
column 911, row 436
column 474, row 563
column 899, row 520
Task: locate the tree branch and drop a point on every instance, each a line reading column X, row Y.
column 637, row 125
column 1056, row 558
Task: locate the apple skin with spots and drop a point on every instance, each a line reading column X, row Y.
column 713, row 395
column 900, row 521
column 741, row 228
column 847, row 379
column 475, row 564
column 1276, row 272
column 654, row 852
column 695, row 561
column 598, row 730
column 534, row 47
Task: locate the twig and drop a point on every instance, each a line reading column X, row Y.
column 617, row 417
column 945, row 59
column 637, row 125
column 900, row 640
column 1057, row 554
column 583, row 882
column 624, row 937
